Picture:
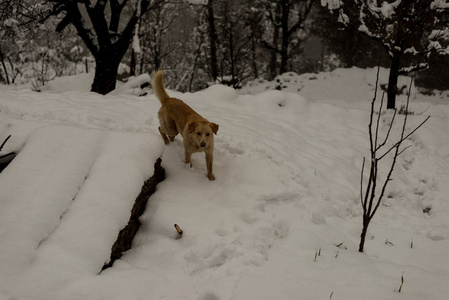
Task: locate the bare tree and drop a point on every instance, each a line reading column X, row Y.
column 231, row 31
column 213, row 39
column 238, row 32
column 107, row 31
column 371, row 196
column 156, row 37
column 19, row 21
column 287, row 18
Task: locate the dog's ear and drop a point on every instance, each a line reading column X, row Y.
column 214, row 127
column 192, row 126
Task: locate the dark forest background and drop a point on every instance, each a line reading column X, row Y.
column 232, row 42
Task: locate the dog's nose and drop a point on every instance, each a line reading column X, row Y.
column 203, row 144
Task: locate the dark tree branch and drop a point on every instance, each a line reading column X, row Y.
column 389, row 128
column 267, row 45
column 420, row 67
column 116, row 11
column 274, row 22
column 97, row 17
column 86, row 35
column 303, row 12
column 404, row 138
column 63, row 23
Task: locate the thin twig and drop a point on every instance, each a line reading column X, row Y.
column 361, row 184
column 4, row 142
column 400, row 152
column 378, row 122
column 388, row 132
column 404, row 138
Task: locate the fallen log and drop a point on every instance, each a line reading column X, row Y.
column 127, row 234
column 7, row 158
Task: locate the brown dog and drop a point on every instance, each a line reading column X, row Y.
column 177, row 117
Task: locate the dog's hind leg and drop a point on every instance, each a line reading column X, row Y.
column 164, row 136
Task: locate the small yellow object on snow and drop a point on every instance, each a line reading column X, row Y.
column 179, row 230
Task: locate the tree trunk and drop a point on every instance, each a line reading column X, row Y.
column 213, row 41
column 393, row 81
column 98, row 27
column 254, row 67
column 156, row 60
column 2, row 58
column 285, row 36
column 273, row 55
column 366, row 221
column 106, row 66
column 132, row 69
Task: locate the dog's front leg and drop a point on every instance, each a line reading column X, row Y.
column 209, row 163
column 188, row 159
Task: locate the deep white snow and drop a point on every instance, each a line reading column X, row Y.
column 281, row 221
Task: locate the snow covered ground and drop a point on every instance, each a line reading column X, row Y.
column 281, row 221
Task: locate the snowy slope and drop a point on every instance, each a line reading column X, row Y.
column 288, row 169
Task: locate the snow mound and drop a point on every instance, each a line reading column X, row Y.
column 80, row 82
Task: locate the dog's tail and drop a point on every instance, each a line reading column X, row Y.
column 158, row 87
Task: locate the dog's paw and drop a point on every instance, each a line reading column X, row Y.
column 211, row 177
column 188, row 166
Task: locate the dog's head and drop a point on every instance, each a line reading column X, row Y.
column 202, row 133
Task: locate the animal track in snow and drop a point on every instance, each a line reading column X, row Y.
column 224, row 146
column 233, row 245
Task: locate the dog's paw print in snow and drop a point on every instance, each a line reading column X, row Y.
column 249, row 217
column 232, row 250
column 209, row 296
column 211, row 257
column 225, row 229
column 268, row 236
column 229, row 146
column 246, row 241
column 437, row 234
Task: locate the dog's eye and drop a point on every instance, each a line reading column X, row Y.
column 198, row 133
column 207, row 134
